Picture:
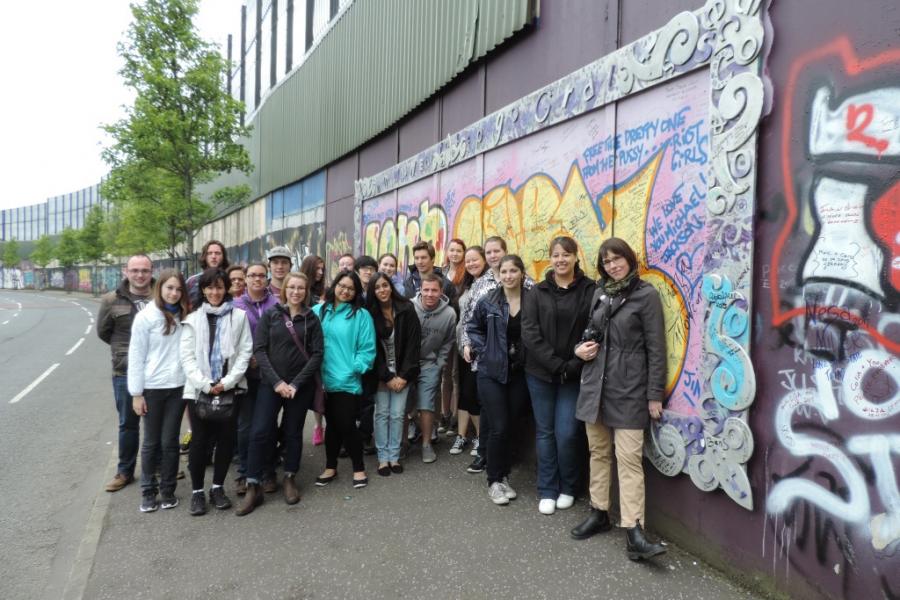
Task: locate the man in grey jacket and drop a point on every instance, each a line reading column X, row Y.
column 117, row 310
column 438, row 321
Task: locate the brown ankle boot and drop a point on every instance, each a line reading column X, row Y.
column 252, row 499
column 291, row 493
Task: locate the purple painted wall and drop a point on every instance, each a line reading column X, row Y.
column 825, row 330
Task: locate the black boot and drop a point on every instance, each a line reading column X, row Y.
column 638, row 547
column 253, row 498
column 596, row 522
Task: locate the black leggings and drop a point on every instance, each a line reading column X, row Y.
column 204, row 434
column 502, row 404
column 341, row 410
column 468, row 390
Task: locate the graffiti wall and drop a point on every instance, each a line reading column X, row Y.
column 833, row 282
column 655, row 144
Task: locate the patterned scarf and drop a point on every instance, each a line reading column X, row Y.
column 212, row 362
column 615, row 288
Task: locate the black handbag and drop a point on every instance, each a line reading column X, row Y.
column 216, row 408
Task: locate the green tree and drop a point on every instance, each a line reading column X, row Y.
column 42, row 254
column 10, row 254
column 181, row 131
column 92, row 241
column 68, row 250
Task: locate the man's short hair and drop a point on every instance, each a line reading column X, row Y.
column 365, row 261
column 424, row 245
column 432, row 277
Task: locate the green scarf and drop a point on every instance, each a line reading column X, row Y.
column 615, row 288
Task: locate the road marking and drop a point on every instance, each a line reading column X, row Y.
column 88, row 330
column 6, row 321
column 34, row 384
column 75, row 347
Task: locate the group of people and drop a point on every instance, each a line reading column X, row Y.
column 386, row 360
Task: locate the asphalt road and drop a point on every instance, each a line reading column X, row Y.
column 56, row 439
column 428, row 533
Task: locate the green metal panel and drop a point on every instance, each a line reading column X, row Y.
column 380, row 60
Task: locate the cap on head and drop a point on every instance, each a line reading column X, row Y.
column 280, row 252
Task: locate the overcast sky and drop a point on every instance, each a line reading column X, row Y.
column 60, row 82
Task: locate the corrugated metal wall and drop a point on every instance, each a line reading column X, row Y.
column 379, row 61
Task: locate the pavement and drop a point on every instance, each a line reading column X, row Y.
column 430, row 532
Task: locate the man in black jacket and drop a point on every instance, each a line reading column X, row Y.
column 423, row 259
column 117, row 310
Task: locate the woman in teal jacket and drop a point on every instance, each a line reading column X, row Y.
column 349, row 353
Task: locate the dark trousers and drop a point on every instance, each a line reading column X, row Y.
column 260, row 463
column 341, row 410
column 245, row 408
column 206, row 435
column 159, row 450
column 129, row 426
column 502, row 404
column 468, row 391
column 367, row 416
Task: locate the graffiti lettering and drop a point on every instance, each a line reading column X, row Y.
column 858, row 120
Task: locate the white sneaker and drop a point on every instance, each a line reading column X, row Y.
column 508, row 489
column 474, row 451
column 547, row 506
column 565, row 501
column 497, row 494
column 458, row 444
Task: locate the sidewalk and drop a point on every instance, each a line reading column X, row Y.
column 428, row 533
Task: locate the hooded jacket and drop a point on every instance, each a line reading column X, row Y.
column 481, row 287
column 117, row 311
column 438, row 329
column 487, row 334
column 276, row 352
column 629, row 370
column 407, row 344
column 413, row 284
column 255, row 309
column 195, row 381
column 154, row 359
column 349, row 347
column 553, row 320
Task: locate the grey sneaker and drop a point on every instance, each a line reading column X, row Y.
column 458, row 444
column 474, row 451
column 428, row 455
column 149, row 502
column 169, row 500
column 497, row 494
column 508, row 489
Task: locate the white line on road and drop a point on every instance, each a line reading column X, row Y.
column 6, row 321
column 75, row 347
column 34, row 384
column 88, row 330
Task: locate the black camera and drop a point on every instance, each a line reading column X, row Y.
column 592, row 334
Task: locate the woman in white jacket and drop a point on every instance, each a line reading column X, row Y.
column 216, row 346
column 155, row 382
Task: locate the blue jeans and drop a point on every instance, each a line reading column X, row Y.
column 244, row 423
column 556, row 430
column 129, row 426
column 160, row 448
column 389, row 409
column 265, row 424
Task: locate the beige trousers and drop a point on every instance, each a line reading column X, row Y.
column 629, row 447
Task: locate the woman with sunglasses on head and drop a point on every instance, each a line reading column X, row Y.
column 216, row 345
column 349, row 354
column 289, row 346
column 623, row 386
column 469, row 407
column 398, row 334
column 495, row 335
column 156, row 384
column 236, row 276
column 553, row 320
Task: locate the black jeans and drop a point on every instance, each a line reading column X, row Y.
column 159, row 450
column 245, row 409
column 263, row 430
column 341, row 410
column 501, row 404
column 204, row 435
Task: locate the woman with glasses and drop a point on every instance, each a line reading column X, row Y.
column 623, row 386
column 349, row 354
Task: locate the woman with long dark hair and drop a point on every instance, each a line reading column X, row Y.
column 288, row 347
column 553, row 320
column 156, row 383
column 216, row 345
column 398, row 334
column 469, row 408
column 623, row 386
column 349, row 354
column 495, row 336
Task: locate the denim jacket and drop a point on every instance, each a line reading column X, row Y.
column 487, row 335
